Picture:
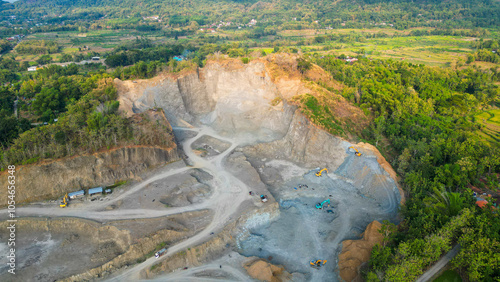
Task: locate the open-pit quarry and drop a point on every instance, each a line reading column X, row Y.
column 238, row 137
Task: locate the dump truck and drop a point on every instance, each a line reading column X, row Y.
column 160, row 253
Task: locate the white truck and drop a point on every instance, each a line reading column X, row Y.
column 263, row 198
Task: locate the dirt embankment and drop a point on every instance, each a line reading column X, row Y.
column 144, row 245
column 356, row 252
column 264, row 271
column 52, row 249
column 52, row 179
column 221, row 243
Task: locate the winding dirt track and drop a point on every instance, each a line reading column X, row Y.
column 228, row 194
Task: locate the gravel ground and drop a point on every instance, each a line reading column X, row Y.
column 304, row 233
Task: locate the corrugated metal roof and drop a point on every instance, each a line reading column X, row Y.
column 95, row 190
column 77, row 193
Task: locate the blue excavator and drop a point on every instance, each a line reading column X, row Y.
column 320, row 205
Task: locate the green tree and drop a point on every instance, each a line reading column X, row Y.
column 44, row 59
column 303, row 65
column 48, row 99
column 448, row 203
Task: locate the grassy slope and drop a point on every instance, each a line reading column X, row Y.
column 490, row 121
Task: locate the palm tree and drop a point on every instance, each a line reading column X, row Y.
column 449, row 203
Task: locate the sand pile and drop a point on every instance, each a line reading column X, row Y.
column 356, row 252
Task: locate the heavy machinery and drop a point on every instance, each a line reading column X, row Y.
column 317, row 263
column 64, row 202
column 319, row 173
column 320, row 205
column 357, row 153
column 160, row 253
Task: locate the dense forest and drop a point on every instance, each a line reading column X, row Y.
column 37, row 47
column 289, row 14
column 86, row 111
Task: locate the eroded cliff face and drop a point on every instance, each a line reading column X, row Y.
column 246, row 101
column 235, row 99
column 357, row 252
column 55, row 249
column 51, row 180
column 249, row 104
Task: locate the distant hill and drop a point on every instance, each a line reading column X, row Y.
column 401, row 14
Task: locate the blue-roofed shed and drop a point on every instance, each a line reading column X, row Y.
column 76, row 194
column 94, row 191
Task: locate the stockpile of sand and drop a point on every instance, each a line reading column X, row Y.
column 265, row 271
column 356, row 252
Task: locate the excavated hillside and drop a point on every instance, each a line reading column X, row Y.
column 259, row 106
column 243, row 131
column 51, row 179
column 50, row 249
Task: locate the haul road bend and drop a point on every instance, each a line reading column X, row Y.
column 229, row 192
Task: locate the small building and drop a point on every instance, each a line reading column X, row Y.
column 77, row 194
column 481, row 203
column 179, row 58
column 33, row 68
column 108, row 191
column 95, row 191
column 96, row 58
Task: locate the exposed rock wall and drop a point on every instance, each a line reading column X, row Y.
column 306, row 144
column 51, row 180
column 386, row 166
column 356, row 252
column 237, row 99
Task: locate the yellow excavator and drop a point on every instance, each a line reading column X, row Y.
column 64, row 202
column 357, row 153
column 319, row 173
column 317, row 263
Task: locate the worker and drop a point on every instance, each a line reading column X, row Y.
column 220, row 266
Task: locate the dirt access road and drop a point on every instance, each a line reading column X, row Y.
column 228, row 194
